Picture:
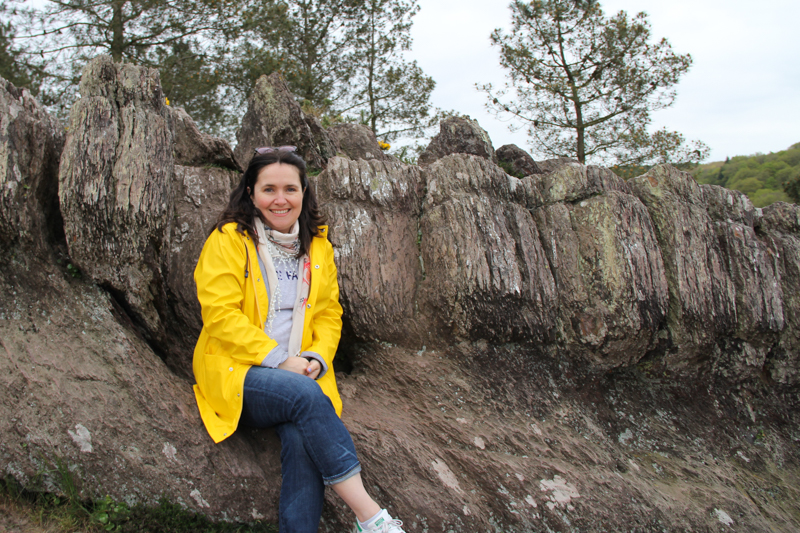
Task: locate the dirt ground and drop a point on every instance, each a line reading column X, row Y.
column 18, row 517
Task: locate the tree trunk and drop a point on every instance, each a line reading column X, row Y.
column 576, row 101
column 117, row 32
column 373, row 118
column 581, row 144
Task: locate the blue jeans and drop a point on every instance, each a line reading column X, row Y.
column 316, row 448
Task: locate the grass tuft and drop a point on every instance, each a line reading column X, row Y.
column 68, row 513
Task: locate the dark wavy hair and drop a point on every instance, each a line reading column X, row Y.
column 242, row 210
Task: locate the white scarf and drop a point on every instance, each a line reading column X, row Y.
column 285, row 240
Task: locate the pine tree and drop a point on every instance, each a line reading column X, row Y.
column 584, row 85
column 179, row 34
column 12, row 66
column 391, row 96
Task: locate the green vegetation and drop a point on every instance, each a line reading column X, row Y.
column 509, row 169
column 73, row 271
column 583, row 84
column 764, row 178
column 343, row 59
column 67, row 512
column 391, row 95
column 12, row 68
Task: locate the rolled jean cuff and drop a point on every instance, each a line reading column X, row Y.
column 343, row 477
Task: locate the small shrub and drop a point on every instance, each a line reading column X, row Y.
column 73, row 271
column 509, row 169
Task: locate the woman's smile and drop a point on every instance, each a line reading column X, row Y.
column 278, row 195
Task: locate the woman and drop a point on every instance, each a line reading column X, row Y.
column 267, row 286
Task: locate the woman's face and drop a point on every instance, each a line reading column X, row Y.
column 278, row 194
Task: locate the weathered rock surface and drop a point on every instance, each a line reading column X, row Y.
column 485, row 438
column 450, row 440
column 752, row 265
column 115, row 186
column 518, row 160
column 562, row 352
column 568, row 259
column 486, row 274
column 606, row 262
column 200, row 195
column 357, row 141
column 194, row 148
column 458, row 135
column 373, row 207
column 30, row 146
column 274, row 118
column 780, row 228
column 572, row 182
column 80, row 386
column 551, row 165
column 702, row 296
column 135, row 221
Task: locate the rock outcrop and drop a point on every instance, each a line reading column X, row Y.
column 517, row 160
column 551, row 165
column 194, row 148
column 124, row 200
column 606, row 262
column 30, row 146
column 565, row 351
column 85, row 350
column 374, row 208
column 486, row 274
column 725, row 302
column 114, row 186
column 780, row 227
column 458, row 135
column 274, row 118
column 357, row 141
column 702, row 304
column 567, row 260
column 200, row 194
column 751, row 263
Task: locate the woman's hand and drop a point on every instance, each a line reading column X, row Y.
column 301, row 365
column 314, row 368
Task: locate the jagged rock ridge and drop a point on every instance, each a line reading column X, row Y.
column 563, row 351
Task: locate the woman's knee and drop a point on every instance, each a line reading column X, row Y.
column 310, row 395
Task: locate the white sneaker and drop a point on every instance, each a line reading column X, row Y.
column 383, row 524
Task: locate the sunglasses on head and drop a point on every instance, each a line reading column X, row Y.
column 269, row 149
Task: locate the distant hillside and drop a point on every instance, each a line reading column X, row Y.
column 761, row 176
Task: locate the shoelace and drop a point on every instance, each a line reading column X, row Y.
column 387, row 527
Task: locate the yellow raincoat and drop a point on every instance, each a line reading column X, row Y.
column 234, row 309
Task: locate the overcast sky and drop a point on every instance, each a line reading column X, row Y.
column 741, row 95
